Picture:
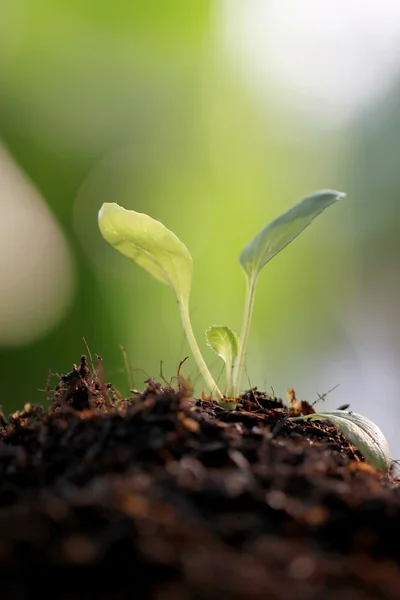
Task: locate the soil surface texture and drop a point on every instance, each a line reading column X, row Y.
column 162, row 496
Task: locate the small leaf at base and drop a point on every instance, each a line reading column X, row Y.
column 224, row 342
column 361, row 432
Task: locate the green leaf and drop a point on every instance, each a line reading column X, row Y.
column 280, row 232
column 267, row 244
column 150, row 244
column 156, row 249
column 225, row 343
column 361, row 432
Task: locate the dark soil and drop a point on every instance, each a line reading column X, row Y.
column 159, row 496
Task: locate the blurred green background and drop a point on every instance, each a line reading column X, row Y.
column 213, row 117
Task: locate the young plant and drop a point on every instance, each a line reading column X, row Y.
column 156, row 249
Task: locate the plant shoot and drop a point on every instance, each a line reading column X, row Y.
column 156, row 249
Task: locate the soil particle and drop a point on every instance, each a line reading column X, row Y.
column 161, row 496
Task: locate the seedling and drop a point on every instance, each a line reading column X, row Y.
column 156, row 249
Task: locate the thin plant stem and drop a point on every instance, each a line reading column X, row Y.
column 229, row 386
column 251, row 283
column 187, row 326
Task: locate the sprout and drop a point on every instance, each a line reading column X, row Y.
column 151, row 245
column 148, row 243
column 225, row 343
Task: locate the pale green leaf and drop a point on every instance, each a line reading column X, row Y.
column 361, row 432
column 285, row 228
column 224, row 342
column 150, row 244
